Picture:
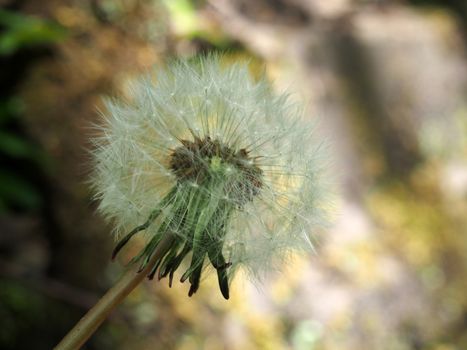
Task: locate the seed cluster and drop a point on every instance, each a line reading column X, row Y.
column 212, row 160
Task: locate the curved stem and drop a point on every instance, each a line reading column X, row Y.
column 83, row 330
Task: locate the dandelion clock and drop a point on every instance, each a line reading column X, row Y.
column 212, row 169
column 205, row 154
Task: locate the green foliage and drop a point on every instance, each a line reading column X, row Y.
column 26, row 31
column 17, row 191
column 14, row 145
column 16, row 302
column 20, row 155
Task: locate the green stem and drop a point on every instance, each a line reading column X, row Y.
column 86, row 327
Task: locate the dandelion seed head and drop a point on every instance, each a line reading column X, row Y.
column 205, row 152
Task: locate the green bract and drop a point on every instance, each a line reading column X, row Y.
column 205, row 154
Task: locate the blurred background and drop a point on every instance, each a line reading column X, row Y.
column 386, row 82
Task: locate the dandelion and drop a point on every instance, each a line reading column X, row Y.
column 206, row 155
column 214, row 168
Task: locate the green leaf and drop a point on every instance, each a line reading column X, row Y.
column 15, row 146
column 25, row 31
column 10, row 109
column 18, row 191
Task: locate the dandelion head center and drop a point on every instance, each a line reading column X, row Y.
column 205, row 159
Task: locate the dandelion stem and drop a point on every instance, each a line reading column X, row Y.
column 83, row 330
